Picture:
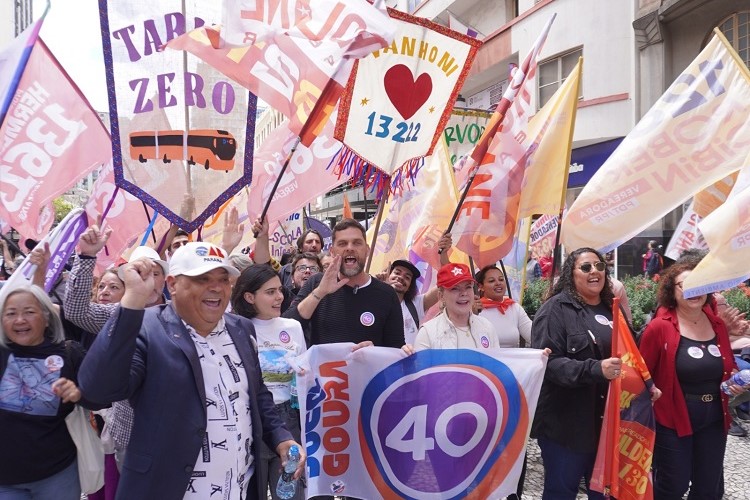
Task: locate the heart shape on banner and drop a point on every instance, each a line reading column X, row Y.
column 406, row 93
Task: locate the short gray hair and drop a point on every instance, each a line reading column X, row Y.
column 54, row 331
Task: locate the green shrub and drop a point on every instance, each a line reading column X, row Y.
column 533, row 296
column 641, row 292
column 739, row 297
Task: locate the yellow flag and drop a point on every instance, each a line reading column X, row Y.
column 414, row 221
column 546, row 178
column 727, row 232
column 697, row 133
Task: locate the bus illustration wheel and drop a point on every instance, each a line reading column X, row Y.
column 206, row 165
column 191, row 161
column 165, row 159
column 141, row 159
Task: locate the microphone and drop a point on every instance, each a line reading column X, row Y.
column 356, row 289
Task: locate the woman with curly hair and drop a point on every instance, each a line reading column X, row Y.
column 686, row 348
column 576, row 324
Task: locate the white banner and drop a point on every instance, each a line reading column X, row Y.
column 379, row 424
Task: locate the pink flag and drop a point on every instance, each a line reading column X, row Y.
column 482, row 229
column 50, row 139
column 124, row 215
column 292, row 55
column 306, row 177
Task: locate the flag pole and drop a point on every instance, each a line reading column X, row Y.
column 517, row 79
column 278, row 180
column 381, row 209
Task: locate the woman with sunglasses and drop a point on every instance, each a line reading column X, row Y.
column 687, row 350
column 257, row 295
column 575, row 323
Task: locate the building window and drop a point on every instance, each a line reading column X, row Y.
column 552, row 74
column 737, row 30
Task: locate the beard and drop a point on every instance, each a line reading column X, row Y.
column 350, row 272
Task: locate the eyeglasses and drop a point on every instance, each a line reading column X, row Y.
column 302, row 268
column 587, row 266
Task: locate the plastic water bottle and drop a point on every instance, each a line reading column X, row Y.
column 741, row 378
column 287, row 486
column 293, row 400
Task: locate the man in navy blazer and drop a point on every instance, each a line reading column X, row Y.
column 192, row 375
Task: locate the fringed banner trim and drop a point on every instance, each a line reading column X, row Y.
column 347, row 163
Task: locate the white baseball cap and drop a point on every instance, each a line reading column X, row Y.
column 198, row 258
column 140, row 253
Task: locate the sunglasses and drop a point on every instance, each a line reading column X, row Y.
column 587, row 266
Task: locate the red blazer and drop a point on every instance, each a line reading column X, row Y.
column 659, row 349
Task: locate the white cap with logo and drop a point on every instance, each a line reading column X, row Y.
column 140, row 253
column 198, row 258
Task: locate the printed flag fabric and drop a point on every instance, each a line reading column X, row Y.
column 178, row 126
column 697, row 133
column 463, row 131
column 727, row 233
column 686, row 235
column 51, row 138
column 437, row 424
column 399, row 98
column 524, row 172
column 626, row 446
column 294, row 55
column 13, row 60
column 306, row 177
column 124, row 216
column 518, row 78
column 415, row 219
column 62, row 243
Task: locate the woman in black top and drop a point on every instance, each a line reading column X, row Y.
column 576, row 324
column 38, row 390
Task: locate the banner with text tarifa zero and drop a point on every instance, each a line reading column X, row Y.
column 447, row 423
column 697, row 133
column 178, row 125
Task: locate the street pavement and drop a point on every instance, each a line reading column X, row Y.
column 736, row 470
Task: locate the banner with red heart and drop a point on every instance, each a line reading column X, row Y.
column 399, row 99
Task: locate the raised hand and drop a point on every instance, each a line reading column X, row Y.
column 233, row 230
column 93, row 240
column 330, row 282
column 138, row 277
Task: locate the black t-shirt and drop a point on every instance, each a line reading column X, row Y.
column 371, row 312
column 34, row 437
column 699, row 366
column 599, row 324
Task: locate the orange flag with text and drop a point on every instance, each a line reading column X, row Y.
column 626, row 444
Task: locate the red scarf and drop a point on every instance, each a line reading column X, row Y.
column 501, row 305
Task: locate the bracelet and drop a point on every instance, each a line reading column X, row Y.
column 316, row 296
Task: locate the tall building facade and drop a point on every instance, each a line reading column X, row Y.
column 632, row 52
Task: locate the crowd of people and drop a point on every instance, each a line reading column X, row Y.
column 184, row 357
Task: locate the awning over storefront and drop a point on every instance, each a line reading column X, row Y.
column 586, row 160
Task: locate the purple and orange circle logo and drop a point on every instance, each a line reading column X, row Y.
column 485, row 342
column 367, row 318
column 425, row 439
column 284, row 336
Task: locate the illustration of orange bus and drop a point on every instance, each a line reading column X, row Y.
column 211, row 148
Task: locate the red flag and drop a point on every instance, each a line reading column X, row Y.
column 296, row 57
column 626, row 444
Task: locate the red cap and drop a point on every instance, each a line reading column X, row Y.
column 452, row 274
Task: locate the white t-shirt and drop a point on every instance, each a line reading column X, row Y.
column 278, row 339
column 410, row 328
column 510, row 326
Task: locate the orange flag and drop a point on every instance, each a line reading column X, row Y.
column 347, row 208
column 626, row 444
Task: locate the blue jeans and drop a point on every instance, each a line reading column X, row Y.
column 61, row 486
column 563, row 470
column 696, row 461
